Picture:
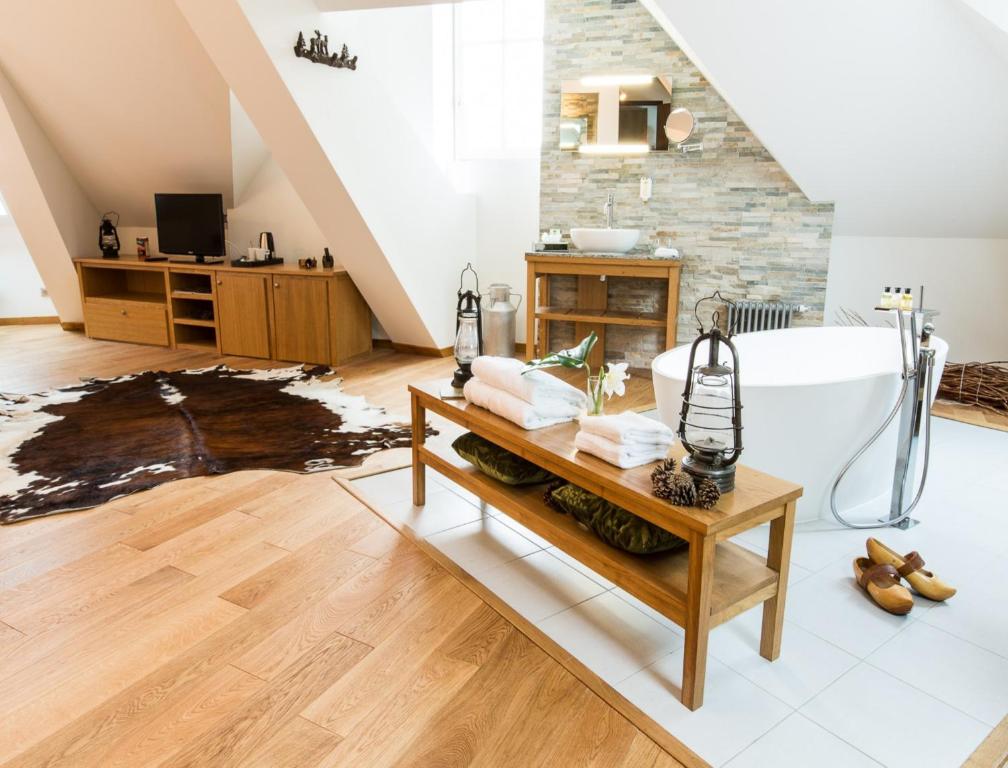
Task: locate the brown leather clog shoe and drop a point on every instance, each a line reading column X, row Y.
column 911, row 567
column 882, row 583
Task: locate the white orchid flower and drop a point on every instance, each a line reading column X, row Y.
column 615, row 375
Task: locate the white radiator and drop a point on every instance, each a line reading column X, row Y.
column 749, row 315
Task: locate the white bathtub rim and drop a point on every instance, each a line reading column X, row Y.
column 659, row 365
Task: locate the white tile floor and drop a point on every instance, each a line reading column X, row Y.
column 854, row 686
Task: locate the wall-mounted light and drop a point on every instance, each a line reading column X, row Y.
column 614, row 149
column 604, row 80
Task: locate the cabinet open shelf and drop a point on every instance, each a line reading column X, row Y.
column 194, row 321
column 152, row 298
column 192, row 295
column 195, row 336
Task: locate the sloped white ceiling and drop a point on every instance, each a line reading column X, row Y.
column 895, row 110
column 126, row 94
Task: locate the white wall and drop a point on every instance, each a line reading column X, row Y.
column 53, row 214
column 853, row 101
column 127, row 96
column 21, row 286
column 965, row 279
column 269, row 203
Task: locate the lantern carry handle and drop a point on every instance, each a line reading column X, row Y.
column 715, row 315
column 468, row 268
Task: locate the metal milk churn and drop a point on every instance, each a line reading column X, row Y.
column 499, row 321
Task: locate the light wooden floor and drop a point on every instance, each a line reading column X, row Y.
column 263, row 619
column 971, row 414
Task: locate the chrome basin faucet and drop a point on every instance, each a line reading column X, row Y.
column 607, row 209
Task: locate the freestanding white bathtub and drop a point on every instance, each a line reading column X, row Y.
column 810, row 398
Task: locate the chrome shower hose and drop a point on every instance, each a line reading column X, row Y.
column 876, row 436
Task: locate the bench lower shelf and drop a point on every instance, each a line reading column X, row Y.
column 741, row 578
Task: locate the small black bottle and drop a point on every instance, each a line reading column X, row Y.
column 328, row 262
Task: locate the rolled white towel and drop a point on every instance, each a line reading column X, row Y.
column 536, row 387
column 629, row 428
column 516, row 410
column 623, row 456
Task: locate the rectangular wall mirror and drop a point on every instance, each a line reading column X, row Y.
column 617, row 114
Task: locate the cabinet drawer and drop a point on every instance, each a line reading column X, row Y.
column 143, row 322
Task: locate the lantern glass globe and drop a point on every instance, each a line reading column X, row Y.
column 467, row 340
column 709, row 421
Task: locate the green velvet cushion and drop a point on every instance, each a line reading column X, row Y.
column 614, row 525
column 498, row 463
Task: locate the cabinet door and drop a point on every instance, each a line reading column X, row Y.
column 301, row 311
column 243, row 315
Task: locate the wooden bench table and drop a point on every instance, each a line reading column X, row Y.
column 698, row 587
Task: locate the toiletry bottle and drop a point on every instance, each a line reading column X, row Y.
column 886, row 302
column 894, row 298
column 906, row 301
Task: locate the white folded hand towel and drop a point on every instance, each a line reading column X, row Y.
column 533, row 387
column 629, row 428
column 516, row 410
column 623, row 456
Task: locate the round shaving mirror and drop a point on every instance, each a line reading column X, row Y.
column 679, row 125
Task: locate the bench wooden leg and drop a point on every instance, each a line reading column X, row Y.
column 779, row 559
column 418, row 423
column 698, row 618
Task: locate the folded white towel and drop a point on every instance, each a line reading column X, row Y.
column 623, row 456
column 629, row 428
column 514, row 409
column 534, row 387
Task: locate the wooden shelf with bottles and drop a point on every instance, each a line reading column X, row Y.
column 592, row 312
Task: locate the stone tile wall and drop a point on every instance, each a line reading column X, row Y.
column 741, row 223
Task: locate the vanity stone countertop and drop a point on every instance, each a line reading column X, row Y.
column 574, row 253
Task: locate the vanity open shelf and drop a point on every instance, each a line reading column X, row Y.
column 605, row 316
column 592, row 312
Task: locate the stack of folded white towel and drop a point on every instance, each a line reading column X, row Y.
column 531, row 400
column 626, row 440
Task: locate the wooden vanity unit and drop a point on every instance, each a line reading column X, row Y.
column 592, row 312
column 278, row 312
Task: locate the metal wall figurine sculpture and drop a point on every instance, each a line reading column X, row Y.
column 317, row 50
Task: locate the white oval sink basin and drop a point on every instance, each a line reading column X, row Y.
column 605, row 240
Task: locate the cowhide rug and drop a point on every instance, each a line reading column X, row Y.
column 81, row 446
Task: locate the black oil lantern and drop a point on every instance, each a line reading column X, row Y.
column 468, row 330
column 710, row 425
column 108, row 237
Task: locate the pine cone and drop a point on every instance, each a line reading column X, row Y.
column 661, row 478
column 707, row 493
column 682, row 492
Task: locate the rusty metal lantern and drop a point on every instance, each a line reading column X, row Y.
column 468, row 329
column 710, row 424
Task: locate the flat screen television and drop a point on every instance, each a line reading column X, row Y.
column 190, row 224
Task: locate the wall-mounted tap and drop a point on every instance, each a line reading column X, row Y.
column 608, row 208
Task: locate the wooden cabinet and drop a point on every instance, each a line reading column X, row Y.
column 277, row 312
column 243, row 311
column 301, row 318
